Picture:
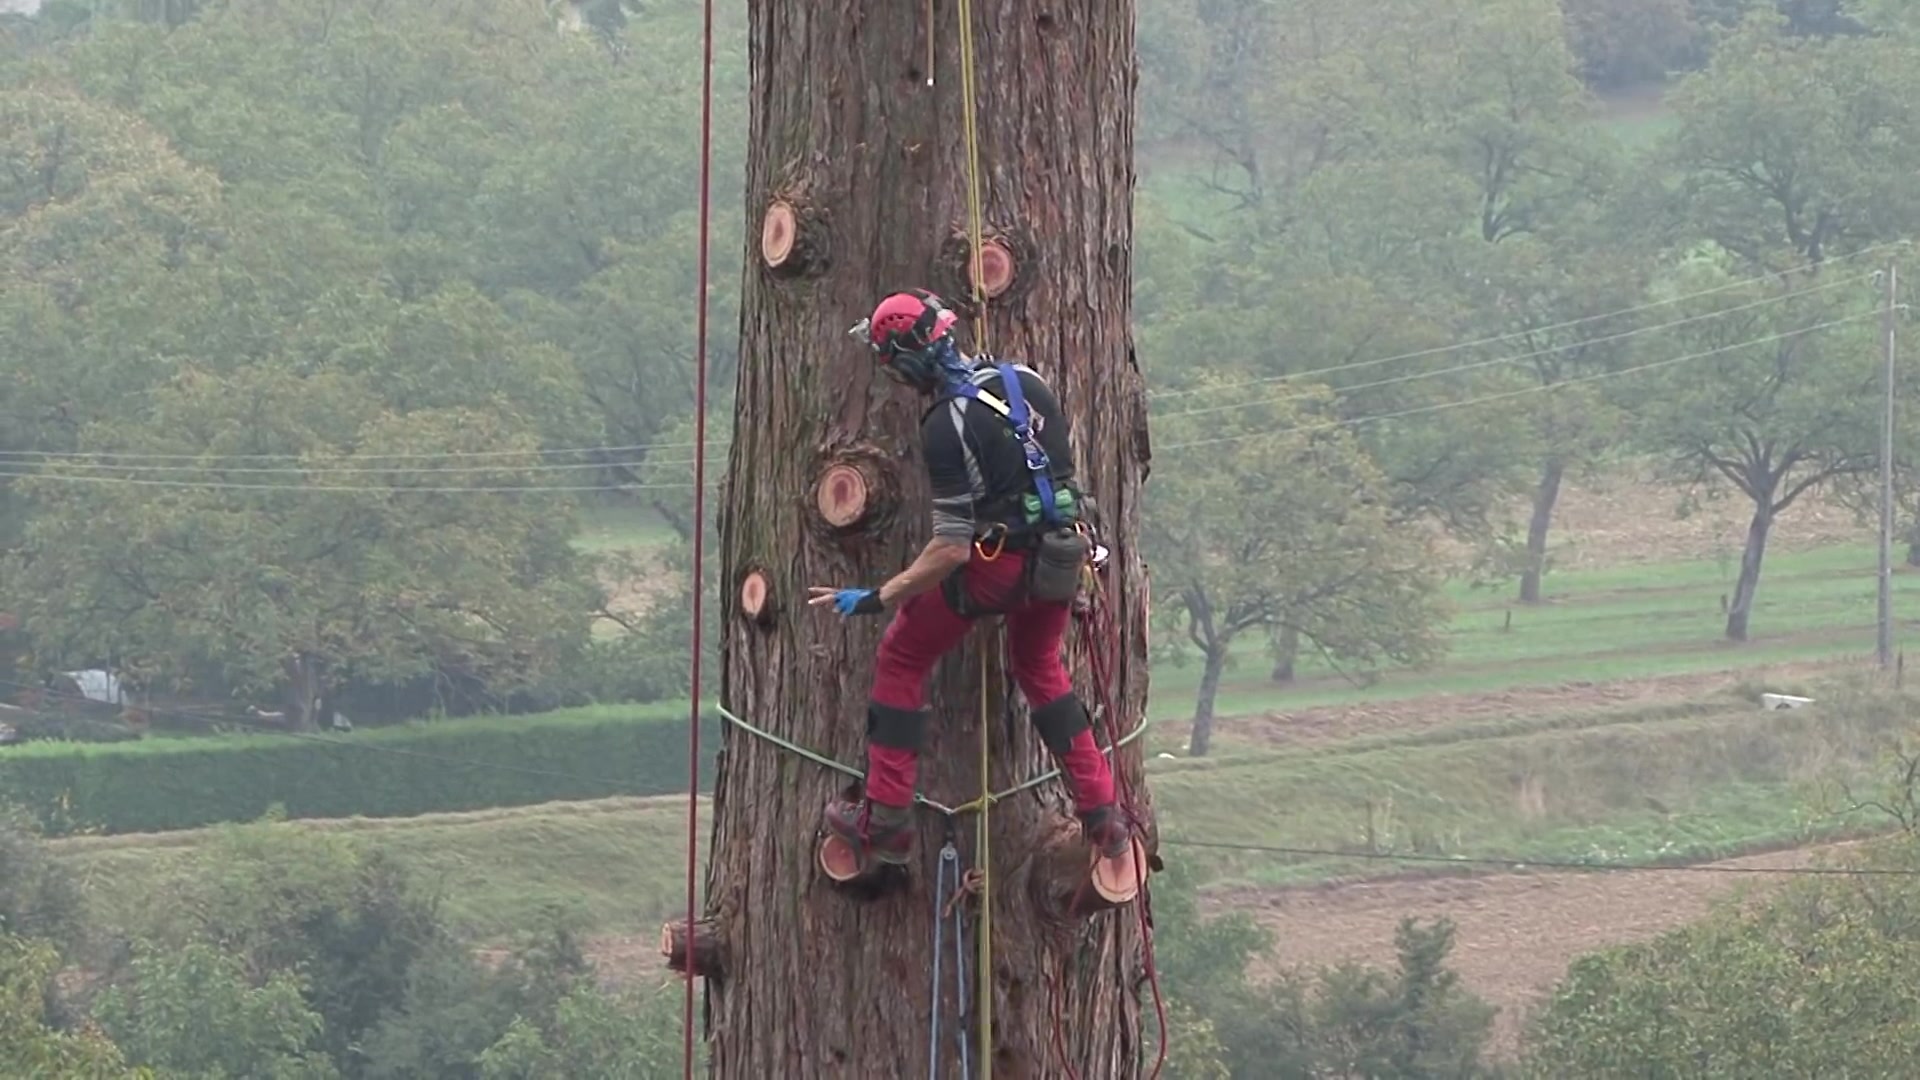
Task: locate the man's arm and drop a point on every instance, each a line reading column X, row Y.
column 944, row 448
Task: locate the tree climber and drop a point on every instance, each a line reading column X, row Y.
column 1006, row 540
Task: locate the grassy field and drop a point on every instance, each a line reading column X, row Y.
column 1679, row 781
column 1595, row 626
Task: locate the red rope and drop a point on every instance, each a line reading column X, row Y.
column 699, row 522
column 1107, row 634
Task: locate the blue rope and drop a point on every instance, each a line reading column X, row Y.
column 948, row 877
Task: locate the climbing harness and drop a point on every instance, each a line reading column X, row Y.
column 946, row 906
column 1015, row 412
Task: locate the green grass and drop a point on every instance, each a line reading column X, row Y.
column 1595, row 626
column 1681, row 788
column 1674, row 782
column 618, row 862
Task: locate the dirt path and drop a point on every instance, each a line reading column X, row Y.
column 1515, row 933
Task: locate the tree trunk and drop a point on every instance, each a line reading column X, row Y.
column 867, row 165
column 1544, row 498
column 1201, row 740
column 302, row 697
column 1286, row 653
column 1743, row 590
column 1913, row 543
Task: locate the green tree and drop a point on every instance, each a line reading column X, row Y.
column 338, row 561
column 29, row 1047
column 633, row 1036
column 1797, row 145
column 1773, row 401
column 1290, row 528
column 1809, row 982
column 38, row 896
column 190, row 1011
column 1626, row 43
column 342, row 917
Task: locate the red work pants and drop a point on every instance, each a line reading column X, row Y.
column 925, row 628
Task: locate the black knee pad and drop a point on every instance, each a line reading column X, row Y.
column 900, row 729
column 1060, row 720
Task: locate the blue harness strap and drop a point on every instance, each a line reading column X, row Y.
column 1016, row 413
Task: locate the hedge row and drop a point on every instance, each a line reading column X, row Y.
column 186, row 783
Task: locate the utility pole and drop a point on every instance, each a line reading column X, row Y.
column 1885, row 650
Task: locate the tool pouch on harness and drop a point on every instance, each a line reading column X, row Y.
column 1054, row 566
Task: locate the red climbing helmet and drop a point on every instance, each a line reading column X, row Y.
column 903, row 330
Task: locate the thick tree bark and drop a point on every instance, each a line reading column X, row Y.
column 820, row 983
column 1545, row 495
column 1750, row 559
column 1213, row 663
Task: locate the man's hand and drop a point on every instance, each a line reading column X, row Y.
column 846, row 601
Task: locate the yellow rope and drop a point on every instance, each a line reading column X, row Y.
column 983, row 855
column 975, row 228
column 984, row 975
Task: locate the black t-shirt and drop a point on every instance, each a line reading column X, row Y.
column 975, row 461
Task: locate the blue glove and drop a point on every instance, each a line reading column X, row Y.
column 857, row 602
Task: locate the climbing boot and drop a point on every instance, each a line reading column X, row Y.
column 873, row 829
column 1105, row 827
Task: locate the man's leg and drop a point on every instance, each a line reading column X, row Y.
column 921, row 632
column 1034, row 637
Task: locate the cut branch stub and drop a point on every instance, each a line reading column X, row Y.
column 853, row 491
column 1006, row 272
column 1069, row 881
column 841, row 495
column 709, row 955
column 793, row 237
column 995, row 270
column 756, row 597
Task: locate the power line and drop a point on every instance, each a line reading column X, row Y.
column 635, row 448
column 1496, row 362
column 388, row 489
column 324, row 470
column 1464, row 345
column 1542, row 388
column 1519, row 863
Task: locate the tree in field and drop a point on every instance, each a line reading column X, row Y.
column 1797, row 148
column 1549, row 300
column 1772, row 402
column 1289, row 532
column 856, row 187
column 279, row 582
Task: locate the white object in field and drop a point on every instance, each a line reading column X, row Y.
column 1783, row 701
column 1168, row 756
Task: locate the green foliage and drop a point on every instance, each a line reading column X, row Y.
column 1625, row 43
column 345, row 918
column 450, row 765
column 634, row 1036
column 307, row 586
column 1412, row 1022
column 38, row 896
column 1286, row 531
column 1793, row 148
column 1812, row 982
column 29, row 1047
column 191, row 1012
